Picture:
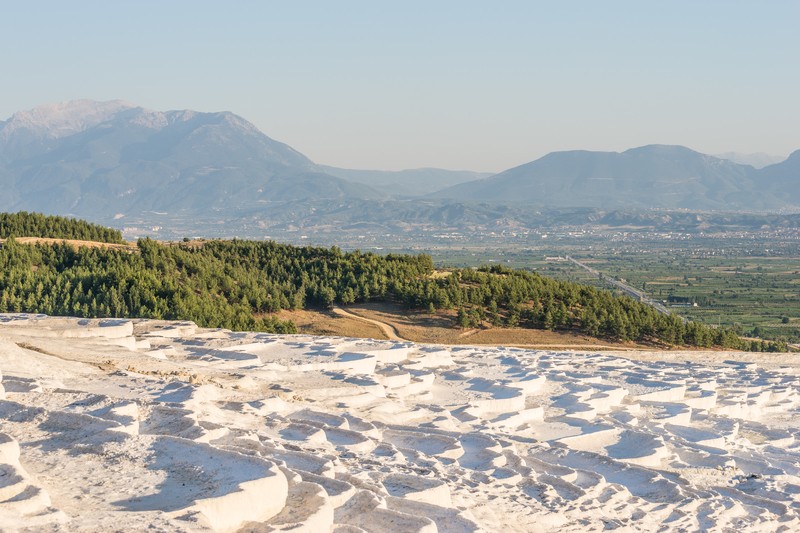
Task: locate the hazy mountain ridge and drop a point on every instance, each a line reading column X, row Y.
column 410, row 182
column 98, row 160
column 436, row 217
column 655, row 176
column 756, row 160
column 784, row 178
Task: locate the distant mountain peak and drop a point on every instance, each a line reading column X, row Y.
column 662, row 149
column 55, row 121
column 755, row 160
column 101, row 159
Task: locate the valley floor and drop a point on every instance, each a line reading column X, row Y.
column 120, row 425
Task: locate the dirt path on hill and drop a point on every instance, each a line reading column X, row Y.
column 388, row 329
column 393, row 334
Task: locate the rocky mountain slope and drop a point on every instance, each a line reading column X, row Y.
column 103, row 159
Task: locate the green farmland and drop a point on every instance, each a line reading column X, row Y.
column 759, row 296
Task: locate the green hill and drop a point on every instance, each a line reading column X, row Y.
column 240, row 284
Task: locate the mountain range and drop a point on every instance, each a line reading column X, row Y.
column 655, row 176
column 107, row 160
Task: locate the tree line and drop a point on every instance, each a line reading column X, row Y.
column 516, row 298
column 240, row 285
column 24, row 224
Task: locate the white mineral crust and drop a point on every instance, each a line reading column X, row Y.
column 117, row 425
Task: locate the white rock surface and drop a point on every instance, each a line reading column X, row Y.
column 62, row 119
column 228, row 431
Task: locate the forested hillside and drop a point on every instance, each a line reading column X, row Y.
column 240, row 284
column 23, row 224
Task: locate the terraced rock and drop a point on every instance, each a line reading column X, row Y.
column 111, row 424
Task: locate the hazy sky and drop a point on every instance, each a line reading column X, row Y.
column 453, row 84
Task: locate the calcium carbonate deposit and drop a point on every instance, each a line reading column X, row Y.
column 121, row 425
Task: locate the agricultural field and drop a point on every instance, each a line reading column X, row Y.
column 758, row 296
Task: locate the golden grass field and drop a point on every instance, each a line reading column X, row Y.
column 439, row 328
column 74, row 243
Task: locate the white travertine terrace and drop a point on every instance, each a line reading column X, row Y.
column 123, row 425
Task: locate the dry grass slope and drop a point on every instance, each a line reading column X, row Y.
column 362, row 321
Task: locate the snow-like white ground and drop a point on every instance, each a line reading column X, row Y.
column 123, row 425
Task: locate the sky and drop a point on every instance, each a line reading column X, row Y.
column 471, row 85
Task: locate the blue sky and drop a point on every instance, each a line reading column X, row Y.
column 453, row 84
